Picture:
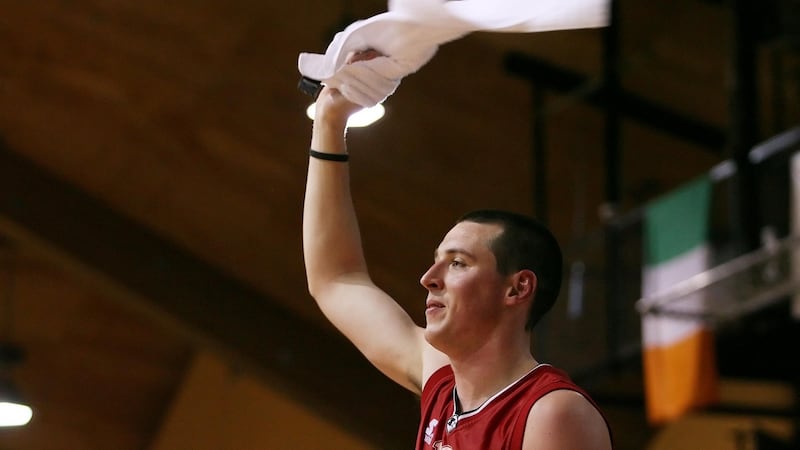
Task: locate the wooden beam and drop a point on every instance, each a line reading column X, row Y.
column 314, row 365
column 630, row 105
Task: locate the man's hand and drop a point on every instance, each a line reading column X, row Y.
column 332, row 107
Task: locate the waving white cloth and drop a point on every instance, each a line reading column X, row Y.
column 410, row 33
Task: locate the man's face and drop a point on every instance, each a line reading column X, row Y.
column 465, row 291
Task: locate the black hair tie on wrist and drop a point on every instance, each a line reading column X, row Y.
column 338, row 157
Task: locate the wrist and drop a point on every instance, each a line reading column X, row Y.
column 329, row 137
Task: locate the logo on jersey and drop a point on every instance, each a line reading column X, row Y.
column 429, row 431
column 438, row 446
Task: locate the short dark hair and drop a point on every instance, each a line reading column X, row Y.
column 525, row 243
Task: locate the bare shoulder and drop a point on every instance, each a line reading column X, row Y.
column 565, row 419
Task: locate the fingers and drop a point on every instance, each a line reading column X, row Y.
column 362, row 55
column 355, row 86
column 363, row 84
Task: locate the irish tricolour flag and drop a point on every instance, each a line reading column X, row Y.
column 679, row 360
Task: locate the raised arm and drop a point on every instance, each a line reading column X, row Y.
column 335, row 266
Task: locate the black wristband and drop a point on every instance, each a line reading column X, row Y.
column 338, row 157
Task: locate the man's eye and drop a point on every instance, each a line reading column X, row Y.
column 456, row 263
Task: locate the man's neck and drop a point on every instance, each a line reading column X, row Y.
column 478, row 380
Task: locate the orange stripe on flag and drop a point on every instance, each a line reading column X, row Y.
column 680, row 377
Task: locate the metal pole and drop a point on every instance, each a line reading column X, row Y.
column 744, row 127
column 613, row 182
column 539, row 154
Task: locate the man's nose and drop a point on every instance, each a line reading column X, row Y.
column 430, row 279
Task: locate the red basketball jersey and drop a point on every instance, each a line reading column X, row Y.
column 498, row 424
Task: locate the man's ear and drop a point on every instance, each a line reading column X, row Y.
column 523, row 286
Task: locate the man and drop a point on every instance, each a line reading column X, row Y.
column 481, row 387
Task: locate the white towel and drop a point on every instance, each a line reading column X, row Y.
column 410, row 33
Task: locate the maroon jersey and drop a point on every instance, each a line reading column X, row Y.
column 499, row 423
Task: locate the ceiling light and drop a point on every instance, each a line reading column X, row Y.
column 13, row 410
column 366, row 116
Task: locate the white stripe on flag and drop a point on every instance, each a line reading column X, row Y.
column 663, row 330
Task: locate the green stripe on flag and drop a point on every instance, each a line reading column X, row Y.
column 677, row 222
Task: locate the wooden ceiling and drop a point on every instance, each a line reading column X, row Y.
column 153, row 166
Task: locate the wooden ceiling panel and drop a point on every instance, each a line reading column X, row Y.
column 98, row 375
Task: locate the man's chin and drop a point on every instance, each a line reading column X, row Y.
column 433, row 336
